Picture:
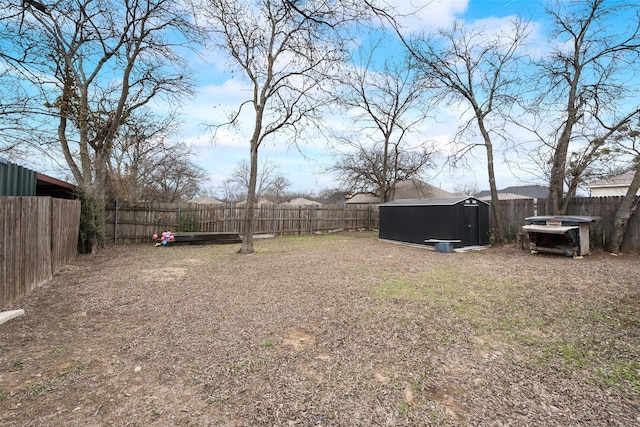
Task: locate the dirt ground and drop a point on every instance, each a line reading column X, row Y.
column 333, row 330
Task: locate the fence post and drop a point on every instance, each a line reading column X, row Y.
column 274, row 220
column 179, row 215
column 311, row 214
column 115, row 224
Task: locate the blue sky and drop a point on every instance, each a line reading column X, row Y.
column 305, row 167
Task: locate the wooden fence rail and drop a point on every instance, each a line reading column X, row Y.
column 137, row 223
column 515, row 211
column 601, row 230
column 38, row 235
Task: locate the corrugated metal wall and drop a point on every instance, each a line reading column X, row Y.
column 417, row 223
column 16, row 180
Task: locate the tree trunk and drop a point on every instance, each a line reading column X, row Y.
column 92, row 220
column 625, row 211
column 495, row 201
column 558, row 172
column 247, row 236
column 556, row 203
column 385, row 166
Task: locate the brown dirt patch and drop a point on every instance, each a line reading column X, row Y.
column 336, row 330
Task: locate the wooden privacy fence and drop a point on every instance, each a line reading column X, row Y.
column 513, row 214
column 601, row 231
column 127, row 223
column 515, row 211
column 38, row 235
column 137, row 223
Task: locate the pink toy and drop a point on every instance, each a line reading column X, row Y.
column 164, row 238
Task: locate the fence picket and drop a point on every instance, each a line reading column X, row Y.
column 38, row 235
column 137, row 223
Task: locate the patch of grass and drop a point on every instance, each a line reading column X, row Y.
column 405, row 408
column 211, row 400
column 621, row 373
column 59, row 349
column 17, row 362
column 267, row 344
column 403, row 287
column 39, row 388
column 571, row 354
column 3, row 396
column 52, row 384
column 466, row 295
column 155, row 412
column 251, row 364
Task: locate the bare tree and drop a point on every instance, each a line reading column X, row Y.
column 95, row 62
column 586, row 88
column 147, row 166
column 371, row 169
column 286, row 51
column 175, row 177
column 389, row 104
column 476, row 68
column 137, row 148
column 469, row 188
column 269, row 181
column 13, row 126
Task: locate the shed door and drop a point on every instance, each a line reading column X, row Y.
column 471, row 231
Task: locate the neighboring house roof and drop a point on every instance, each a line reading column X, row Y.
column 532, row 191
column 446, row 201
column 612, row 186
column 506, row 196
column 301, row 201
column 258, row 202
column 204, row 200
column 622, row 180
column 417, row 189
column 406, row 189
column 363, row 198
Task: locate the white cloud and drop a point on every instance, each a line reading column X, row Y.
column 423, row 15
column 221, row 94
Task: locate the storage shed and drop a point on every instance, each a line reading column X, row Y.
column 463, row 220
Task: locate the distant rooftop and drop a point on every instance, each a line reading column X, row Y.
column 622, row 180
column 528, row 191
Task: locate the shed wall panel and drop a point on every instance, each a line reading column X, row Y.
column 417, row 223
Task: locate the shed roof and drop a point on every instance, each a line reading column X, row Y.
column 447, row 201
column 49, row 186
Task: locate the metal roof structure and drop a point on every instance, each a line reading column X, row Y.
column 16, row 180
column 448, row 201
